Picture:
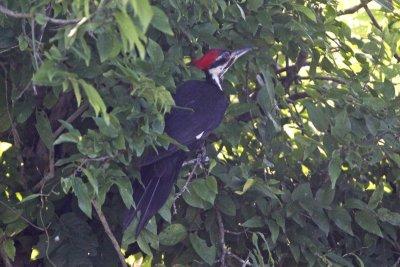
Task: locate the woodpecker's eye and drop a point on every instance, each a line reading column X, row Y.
column 222, row 59
column 225, row 55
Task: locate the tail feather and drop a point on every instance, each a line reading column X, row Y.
column 158, row 180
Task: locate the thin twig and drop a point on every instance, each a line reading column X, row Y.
column 224, row 250
column 221, row 237
column 234, row 233
column 71, row 118
column 42, row 206
column 244, row 263
column 372, row 18
column 19, row 15
column 108, row 231
column 21, row 216
column 354, row 9
column 185, row 187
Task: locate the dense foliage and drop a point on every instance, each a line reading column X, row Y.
column 304, row 169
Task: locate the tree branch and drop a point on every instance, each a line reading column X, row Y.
column 189, row 179
column 221, row 237
column 224, row 251
column 19, row 15
column 354, row 9
column 324, row 78
column 71, row 118
column 292, row 71
column 108, row 231
column 373, row 19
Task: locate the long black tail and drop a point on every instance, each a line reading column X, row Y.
column 158, row 179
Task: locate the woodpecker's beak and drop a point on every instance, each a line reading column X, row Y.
column 240, row 52
column 235, row 54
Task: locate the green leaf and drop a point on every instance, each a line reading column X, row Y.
column 302, row 192
column 386, row 4
column 93, row 181
column 274, row 229
column 173, row 234
column 386, row 215
column 30, row 197
column 77, row 91
column 9, row 248
column 108, row 129
column 247, row 185
column 82, row 193
column 308, row 12
column 40, row 19
column 342, row 124
column 376, row 196
column 320, row 219
column 317, row 116
column 44, row 129
column 226, row 204
column 325, row 196
column 108, row 45
column 295, row 250
column 68, row 138
column 95, row 100
column 18, row 226
column 387, row 89
column 144, row 11
column 200, row 246
column 160, row 21
column 253, row 222
column 368, row 222
column 155, row 52
column 342, row 219
column 203, row 190
column 130, row 33
column 125, row 190
column 254, row 5
column 194, row 200
column 334, row 168
column 49, row 74
column 338, row 259
column 22, row 42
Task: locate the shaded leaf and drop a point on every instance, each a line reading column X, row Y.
column 368, row 222
column 160, row 21
column 200, row 246
column 172, row 235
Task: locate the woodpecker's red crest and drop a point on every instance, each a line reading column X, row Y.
column 219, row 57
column 206, row 61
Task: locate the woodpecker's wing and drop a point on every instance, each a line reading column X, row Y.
column 200, row 107
column 158, row 180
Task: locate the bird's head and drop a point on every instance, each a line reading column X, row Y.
column 215, row 62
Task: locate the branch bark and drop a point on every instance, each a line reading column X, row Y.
column 19, row 15
column 109, row 233
column 71, row 118
column 354, row 9
column 189, row 179
column 224, row 251
column 372, row 18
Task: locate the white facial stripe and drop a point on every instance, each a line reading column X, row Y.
column 217, row 74
column 199, row 135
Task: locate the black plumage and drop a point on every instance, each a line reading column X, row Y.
column 200, row 108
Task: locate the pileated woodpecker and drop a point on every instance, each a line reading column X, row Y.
column 200, row 107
